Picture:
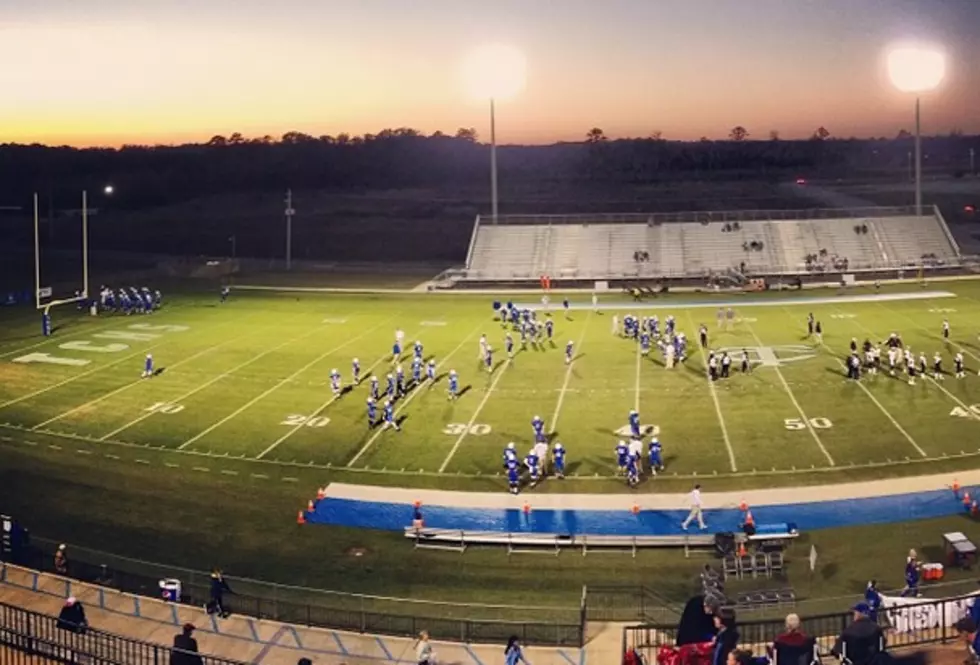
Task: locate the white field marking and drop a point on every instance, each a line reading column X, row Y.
column 479, row 407
column 318, row 410
column 335, row 321
column 881, row 407
column 792, row 397
column 636, row 401
column 289, row 378
column 82, row 375
column 55, row 340
column 130, row 385
column 433, row 323
column 953, row 397
column 714, row 398
column 568, row 374
column 410, row 396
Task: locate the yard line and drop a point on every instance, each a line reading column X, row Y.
column 881, row 407
column 479, row 408
column 318, row 411
column 792, row 397
column 83, row 374
column 411, row 394
column 280, row 384
column 714, row 398
column 130, row 385
column 568, row 374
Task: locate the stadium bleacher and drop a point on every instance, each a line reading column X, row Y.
column 604, row 247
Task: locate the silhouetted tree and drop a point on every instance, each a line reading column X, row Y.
column 738, row 133
column 595, row 135
column 820, row 134
column 904, row 134
column 466, row 134
column 236, row 139
column 217, row 140
column 297, row 137
column 774, row 135
column 657, row 135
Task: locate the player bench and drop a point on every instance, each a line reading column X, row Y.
column 457, row 540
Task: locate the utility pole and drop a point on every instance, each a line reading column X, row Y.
column 290, row 211
column 973, row 164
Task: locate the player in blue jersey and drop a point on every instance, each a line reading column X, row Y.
column 417, row 370
column 418, row 349
column 510, row 453
column 670, row 325
column 656, row 455
column 549, row 327
column 390, row 416
column 565, row 305
column 453, row 389
column 373, row 390
column 655, row 326
column 355, row 371
column 396, row 351
column 569, row 351
column 390, row 388
column 488, row 358
column 622, row 451
column 335, row 382
column 224, row 293
column 399, row 381
column 632, row 469
column 634, row 423
column 533, row 464
column 509, row 345
column 537, row 426
column 430, row 370
column 514, row 475
column 558, row 459
column 372, row 412
column 645, row 343
column 148, row 366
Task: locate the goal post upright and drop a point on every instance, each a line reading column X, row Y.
column 85, row 290
column 37, row 258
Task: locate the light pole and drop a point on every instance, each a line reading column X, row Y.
column 916, row 69
column 494, row 72
column 290, row 211
column 108, row 190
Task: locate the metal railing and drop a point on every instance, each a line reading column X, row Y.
column 35, row 634
column 913, row 624
column 451, row 621
column 709, row 216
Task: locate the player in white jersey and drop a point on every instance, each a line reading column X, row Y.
column 635, row 447
column 615, row 324
column 400, row 337
column 869, row 361
column 946, row 329
column 937, row 367
column 958, row 365
column 892, row 358
column 482, row 353
column 595, row 301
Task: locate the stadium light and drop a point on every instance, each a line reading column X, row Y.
column 494, row 72
column 108, row 190
column 916, row 69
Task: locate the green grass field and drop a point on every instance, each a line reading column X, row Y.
column 209, row 461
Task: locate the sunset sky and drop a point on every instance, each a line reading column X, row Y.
column 108, row 72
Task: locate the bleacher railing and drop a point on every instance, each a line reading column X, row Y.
column 35, row 634
column 363, row 613
column 907, row 625
column 708, row 216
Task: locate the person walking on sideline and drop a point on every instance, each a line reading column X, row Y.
column 423, row 650
column 184, row 651
column 513, row 654
column 695, row 499
column 218, row 588
column 61, row 560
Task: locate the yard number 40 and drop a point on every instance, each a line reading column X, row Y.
column 815, row 423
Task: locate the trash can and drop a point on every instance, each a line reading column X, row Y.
column 170, row 590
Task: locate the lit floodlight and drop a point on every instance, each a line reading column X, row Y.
column 916, row 69
column 495, row 71
column 108, row 190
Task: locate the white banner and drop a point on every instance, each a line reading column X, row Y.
column 907, row 615
column 44, row 292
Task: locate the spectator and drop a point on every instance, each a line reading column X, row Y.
column 793, row 647
column 726, row 639
column 185, row 648
column 739, row 657
column 218, row 588
column 513, row 654
column 861, row 641
column 911, row 575
column 967, row 630
column 423, row 650
column 72, row 617
column 304, row 661
column 61, row 560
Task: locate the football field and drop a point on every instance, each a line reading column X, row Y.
column 250, row 379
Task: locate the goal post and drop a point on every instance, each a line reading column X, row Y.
column 44, row 296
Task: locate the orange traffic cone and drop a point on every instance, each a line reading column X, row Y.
column 956, row 486
column 635, row 509
column 321, row 492
column 527, row 508
column 974, row 509
column 966, row 498
column 741, row 549
column 309, row 506
column 749, row 520
column 300, row 518
column 743, row 506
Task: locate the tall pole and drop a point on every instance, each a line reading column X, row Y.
column 37, row 257
column 84, row 243
column 289, row 229
column 911, row 168
column 973, row 164
column 918, row 161
column 493, row 162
